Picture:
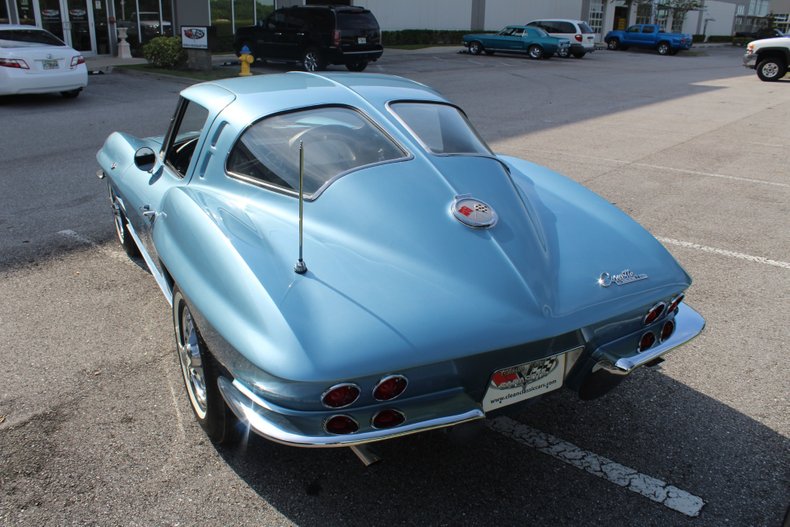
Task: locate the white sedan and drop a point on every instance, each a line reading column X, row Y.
column 33, row 60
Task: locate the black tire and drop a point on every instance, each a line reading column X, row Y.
column 476, row 48
column 613, row 44
column 313, row 60
column 200, row 373
column 563, row 53
column 663, row 48
column 579, row 54
column 771, row 69
column 121, row 230
column 535, row 52
column 357, row 66
column 71, row 94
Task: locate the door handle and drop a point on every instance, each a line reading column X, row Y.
column 148, row 213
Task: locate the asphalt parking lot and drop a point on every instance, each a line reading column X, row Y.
column 95, row 428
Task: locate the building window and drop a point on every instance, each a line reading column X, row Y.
column 677, row 22
column 595, row 17
column 4, row 12
column 644, row 14
column 662, row 15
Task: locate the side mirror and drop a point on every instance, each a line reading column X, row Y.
column 145, row 159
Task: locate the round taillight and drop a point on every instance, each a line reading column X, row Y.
column 654, row 313
column 667, row 330
column 647, row 340
column 675, row 303
column 340, row 395
column 388, row 418
column 390, row 387
column 578, row 38
column 341, row 424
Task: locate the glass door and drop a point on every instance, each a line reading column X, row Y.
column 51, row 17
column 79, row 25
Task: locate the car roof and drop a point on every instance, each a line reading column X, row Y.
column 573, row 20
column 19, row 26
column 254, row 97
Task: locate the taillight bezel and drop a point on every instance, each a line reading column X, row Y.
column 390, row 378
column 340, row 416
column 392, row 410
column 660, row 307
column 336, row 387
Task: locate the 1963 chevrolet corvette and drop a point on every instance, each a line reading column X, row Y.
column 347, row 261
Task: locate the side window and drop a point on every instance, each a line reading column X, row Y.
column 518, row 32
column 184, row 136
column 565, row 27
column 649, row 29
column 632, row 29
column 278, row 20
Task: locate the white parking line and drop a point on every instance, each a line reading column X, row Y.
column 709, row 174
column 652, row 488
column 669, row 169
column 724, row 252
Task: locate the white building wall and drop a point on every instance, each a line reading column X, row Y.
column 723, row 15
column 500, row 13
column 420, row 14
column 690, row 24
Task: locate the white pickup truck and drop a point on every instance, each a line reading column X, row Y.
column 769, row 56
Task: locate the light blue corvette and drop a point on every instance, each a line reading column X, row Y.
column 437, row 282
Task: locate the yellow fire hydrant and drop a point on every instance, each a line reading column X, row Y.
column 246, row 59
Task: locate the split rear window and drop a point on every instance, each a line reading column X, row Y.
column 336, row 139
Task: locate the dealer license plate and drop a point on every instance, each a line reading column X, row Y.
column 50, row 64
column 362, row 40
column 519, row 383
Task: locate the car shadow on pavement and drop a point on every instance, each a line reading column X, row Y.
column 652, row 424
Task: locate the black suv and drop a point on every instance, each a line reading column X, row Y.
column 315, row 36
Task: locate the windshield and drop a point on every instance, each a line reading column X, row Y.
column 336, row 140
column 440, row 128
column 12, row 38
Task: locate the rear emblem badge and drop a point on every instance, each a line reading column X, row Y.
column 473, row 212
column 626, row 277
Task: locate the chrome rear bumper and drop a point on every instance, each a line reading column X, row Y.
column 688, row 324
column 275, row 424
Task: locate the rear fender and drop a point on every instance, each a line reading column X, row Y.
column 238, row 313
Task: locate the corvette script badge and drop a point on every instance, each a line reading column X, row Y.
column 626, row 277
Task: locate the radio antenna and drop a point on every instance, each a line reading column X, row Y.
column 300, row 267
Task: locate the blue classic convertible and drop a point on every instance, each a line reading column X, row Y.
column 533, row 41
column 347, row 261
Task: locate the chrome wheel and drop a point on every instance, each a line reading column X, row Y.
column 475, row 48
column 121, row 230
column 117, row 215
column 663, row 48
column 312, row 60
column 535, row 52
column 191, row 358
column 770, row 69
column 613, row 44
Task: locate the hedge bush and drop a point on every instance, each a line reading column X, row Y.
column 165, row 52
